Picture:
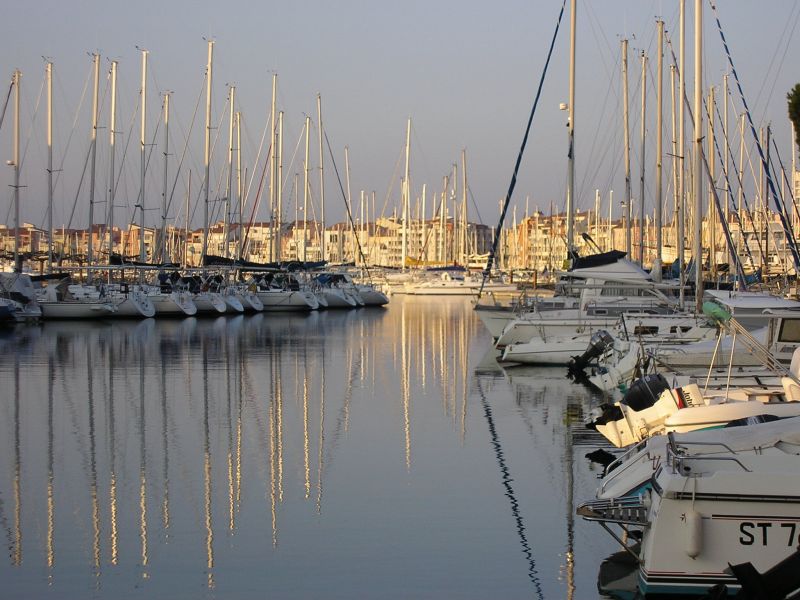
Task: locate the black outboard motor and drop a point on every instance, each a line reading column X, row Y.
column 642, row 394
column 600, row 341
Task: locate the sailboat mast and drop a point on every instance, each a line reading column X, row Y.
column 112, row 140
column 17, row 81
column 49, row 74
column 163, row 245
column 659, row 199
column 95, row 100
column 713, row 215
column 279, row 195
column 239, row 191
column 464, row 220
column 305, row 192
column 698, row 149
column 571, row 134
column 228, row 203
column 273, row 170
column 142, row 147
column 324, row 255
column 207, row 153
column 406, row 192
column 680, row 242
column 188, row 196
column 627, row 147
column 347, row 187
column 642, row 160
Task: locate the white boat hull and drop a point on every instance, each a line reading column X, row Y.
column 173, row 304
column 287, row 300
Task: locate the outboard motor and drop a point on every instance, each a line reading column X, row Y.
column 600, row 341
column 642, row 394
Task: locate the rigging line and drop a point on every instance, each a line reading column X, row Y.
column 741, row 183
column 774, row 56
column 506, row 481
column 785, row 179
column 185, row 149
column 391, row 181
column 30, row 125
column 128, row 139
column 257, row 201
column 783, row 58
column 5, row 104
column 513, row 183
column 347, row 206
column 74, row 122
column 718, row 203
column 787, row 227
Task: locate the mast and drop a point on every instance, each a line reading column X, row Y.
column 95, row 100
column 642, row 160
column 112, row 140
column 324, row 255
column 713, row 215
column 571, row 133
column 188, row 196
column 349, row 197
column 228, row 203
column 163, row 244
column 627, row 148
column 659, row 151
column 726, row 161
column 464, row 220
column 305, row 193
column 680, row 242
column 610, row 240
column 406, row 192
column 279, row 194
column 49, row 73
column 17, row 81
column 698, row 149
column 239, row 195
column 273, row 171
column 207, row 153
column 142, row 146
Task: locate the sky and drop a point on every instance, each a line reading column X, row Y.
column 464, row 72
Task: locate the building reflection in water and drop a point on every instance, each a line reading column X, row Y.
column 235, row 425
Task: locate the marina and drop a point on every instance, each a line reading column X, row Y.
column 341, row 454
column 269, row 369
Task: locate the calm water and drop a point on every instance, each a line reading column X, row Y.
column 360, row 454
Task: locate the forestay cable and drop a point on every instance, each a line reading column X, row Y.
column 498, row 230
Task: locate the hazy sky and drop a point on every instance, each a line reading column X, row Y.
column 465, row 72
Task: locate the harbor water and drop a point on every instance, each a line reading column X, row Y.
column 372, row 453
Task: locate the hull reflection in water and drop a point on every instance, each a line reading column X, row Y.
column 352, row 454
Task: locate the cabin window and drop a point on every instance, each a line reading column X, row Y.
column 600, row 311
column 645, row 330
column 790, row 331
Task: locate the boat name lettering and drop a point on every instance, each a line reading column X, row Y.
column 757, row 532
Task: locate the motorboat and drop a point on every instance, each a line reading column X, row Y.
column 629, row 331
column 652, row 407
column 710, row 504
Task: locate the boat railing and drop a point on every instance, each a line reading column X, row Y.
column 676, row 458
column 621, row 464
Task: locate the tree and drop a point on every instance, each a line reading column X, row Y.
column 794, row 111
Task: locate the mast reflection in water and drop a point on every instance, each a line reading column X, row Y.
column 366, row 453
